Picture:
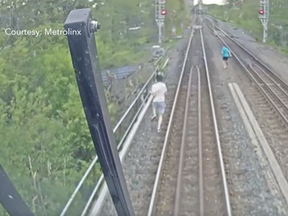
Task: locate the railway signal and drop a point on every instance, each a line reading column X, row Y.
column 163, row 12
column 160, row 13
column 264, row 17
column 261, row 12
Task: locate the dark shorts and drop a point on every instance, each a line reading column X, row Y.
column 225, row 58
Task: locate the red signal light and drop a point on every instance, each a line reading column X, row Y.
column 261, row 12
column 163, row 12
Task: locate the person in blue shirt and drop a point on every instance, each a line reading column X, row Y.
column 225, row 56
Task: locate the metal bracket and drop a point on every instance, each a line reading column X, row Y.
column 85, row 62
column 159, row 21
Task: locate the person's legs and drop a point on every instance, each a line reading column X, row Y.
column 161, row 111
column 154, row 104
column 159, row 122
column 225, row 63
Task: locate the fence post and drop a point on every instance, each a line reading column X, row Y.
column 80, row 29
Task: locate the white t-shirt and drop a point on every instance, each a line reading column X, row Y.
column 158, row 90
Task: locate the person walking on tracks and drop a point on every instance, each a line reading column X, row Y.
column 158, row 92
column 225, row 56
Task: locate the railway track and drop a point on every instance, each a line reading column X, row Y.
column 191, row 178
column 275, row 91
column 268, row 97
column 268, row 82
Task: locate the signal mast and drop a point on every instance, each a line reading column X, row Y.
column 264, row 17
column 160, row 14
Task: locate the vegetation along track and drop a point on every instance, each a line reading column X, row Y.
column 268, row 97
column 190, row 179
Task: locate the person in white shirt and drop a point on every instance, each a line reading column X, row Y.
column 158, row 91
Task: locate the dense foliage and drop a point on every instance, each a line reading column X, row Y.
column 45, row 142
column 244, row 14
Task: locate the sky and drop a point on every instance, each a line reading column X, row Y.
column 210, row 1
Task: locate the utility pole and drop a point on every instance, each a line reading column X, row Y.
column 264, row 17
column 160, row 13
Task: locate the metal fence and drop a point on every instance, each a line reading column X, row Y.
column 93, row 173
column 108, row 76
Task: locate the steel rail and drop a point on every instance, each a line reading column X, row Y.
column 253, row 78
column 269, row 77
column 183, row 143
column 216, row 131
column 167, row 136
column 275, row 95
column 201, row 187
column 201, row 175
column 182, row 148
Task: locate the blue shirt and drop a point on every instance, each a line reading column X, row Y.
column 225, row 52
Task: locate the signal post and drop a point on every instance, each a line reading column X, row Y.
column 264, row 17
column 160, row 13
